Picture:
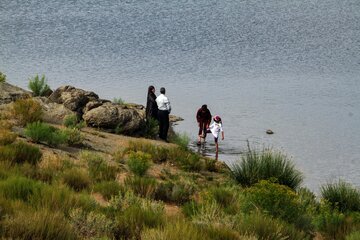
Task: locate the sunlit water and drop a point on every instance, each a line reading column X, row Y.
column 290, row 66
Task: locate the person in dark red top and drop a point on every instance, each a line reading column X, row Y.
column 203, row 117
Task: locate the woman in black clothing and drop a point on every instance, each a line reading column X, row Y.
column 151, row 105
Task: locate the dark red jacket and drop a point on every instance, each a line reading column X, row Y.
column 203, row 116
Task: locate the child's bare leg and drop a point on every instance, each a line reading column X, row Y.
column 216, row 151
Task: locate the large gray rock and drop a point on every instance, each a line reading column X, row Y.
column 110, row 116
column 53, row 112
column 73, row 98
column 10, row 93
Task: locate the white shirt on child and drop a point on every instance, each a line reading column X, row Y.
column 215, row 129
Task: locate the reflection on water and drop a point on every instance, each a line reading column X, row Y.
column 292, row 66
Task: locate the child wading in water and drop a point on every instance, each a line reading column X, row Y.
column 215, row 128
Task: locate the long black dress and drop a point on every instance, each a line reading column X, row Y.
column 151, row 107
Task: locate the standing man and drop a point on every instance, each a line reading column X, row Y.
column 163, row 114
column 203, row 117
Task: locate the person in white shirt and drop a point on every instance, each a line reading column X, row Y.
column 215, row 128
column 164, row 107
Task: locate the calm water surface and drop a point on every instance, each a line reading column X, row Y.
column 291, row 66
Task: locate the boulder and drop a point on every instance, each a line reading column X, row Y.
column 53, row 112
column 111, row 116
column 73, row 98
column 10, row 93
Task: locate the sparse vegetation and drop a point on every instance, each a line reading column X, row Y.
column 119, row 101
column 2, row 77
column 143, row 189
column 26, row 111
column 72, row 121
column 38, row 85
column 139, row 163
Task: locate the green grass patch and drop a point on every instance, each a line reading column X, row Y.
column 43, row 132
column 7, row 137
column 139, row 163
column 266, row 165
column 72, row 121
column 76, row 179
column 18, row 187
column 99, row 170
column 20, row 152
column 108, row 189
column 342, row 196
column 142, row 186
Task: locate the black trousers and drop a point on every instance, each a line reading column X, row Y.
column 163, row 124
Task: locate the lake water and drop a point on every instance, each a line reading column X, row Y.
column 287, row 65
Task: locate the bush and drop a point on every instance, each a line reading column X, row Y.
column 7, row 137
column 139, row 163
column 353, row 236
column 73, row 136
column 210, row 165
column 26, row 111
column 135, row 218
column 151, row 128
column 118, row 101
column 191, row 163
column 61, row 198
column 99, row 170
column 342, row 195
column 19, row 188
column 174, row 192
column 20, row 152
column 38, row 86
column 90, row 225
column 76, row 179
column 264, row 227
column 143, row 187
column 2, row 77
column 333, row 224
column 266, row 165
column 72, row 121
column 42, row 132
column 182, row 140
column 108, row 189
column 40, row 224
column 277, row 201
column 226, row 197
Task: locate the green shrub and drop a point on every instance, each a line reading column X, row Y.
column 20, row 152
column 7, row 137
column 2, row 77
column 76, row 179
column 190, row 209
column 226, row 197
column 174, row 192
column 191, row 163
column 182, row 140
column 139, row 163
column 72, row 121
column 151, row 128
column 265, row 227
column 342, row 195
column 90, row 225
column 118, row 101
column 40, row 224
column 73, row 136
column 277, row 201
column 42, row 132
column 99, row 170
column 141, row 186
column 353, row 236
column 108, row 189
column 26, row 111
column 61, row 198
column 17, row 187
column 159, row 154
column 210, row 165
column 38, row 85
column 135, row 218
column 266, row 165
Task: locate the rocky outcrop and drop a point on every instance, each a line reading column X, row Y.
column 109, row 115
column 10, row 93
column 73, row 98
